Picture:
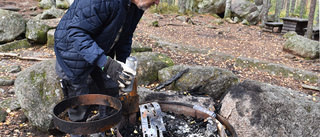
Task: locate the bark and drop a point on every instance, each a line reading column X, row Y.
column 277, row 11
column 302, row 6
column 311, row 17
column 227, row 13
column 317, row 19
column 266, row 7
column 182, row 6
column 287, row 8
column 293, row 6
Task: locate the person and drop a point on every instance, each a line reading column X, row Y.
column 92, row 41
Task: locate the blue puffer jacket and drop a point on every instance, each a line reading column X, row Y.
column 86, row 35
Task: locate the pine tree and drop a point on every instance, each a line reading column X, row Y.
column 277, row 11
column 293, row 6
column 302, row 6
column 310, row 20
column 288, row 8
column 266, row 7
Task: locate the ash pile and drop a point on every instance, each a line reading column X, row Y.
column 169, row 124
column 186, row 122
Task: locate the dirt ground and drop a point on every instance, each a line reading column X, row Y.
column 233, row 39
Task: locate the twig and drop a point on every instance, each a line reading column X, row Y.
column 173, row 24
column 174, row 78
column 311, row 87
column 20, row 57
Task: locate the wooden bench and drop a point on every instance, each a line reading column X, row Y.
column 271, row 25
column 294, row 24
column 315, row 32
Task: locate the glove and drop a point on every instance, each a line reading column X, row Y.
column 119, row 72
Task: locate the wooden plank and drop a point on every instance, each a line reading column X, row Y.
column 275, row 24
column 288, row 25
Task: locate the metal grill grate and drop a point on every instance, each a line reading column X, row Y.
column 151, row 120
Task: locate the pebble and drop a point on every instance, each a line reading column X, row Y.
column 289, row 56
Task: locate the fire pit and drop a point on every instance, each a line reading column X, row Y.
column 179, row 119
column 82, row 128
column 128, row 113
column 194, row 113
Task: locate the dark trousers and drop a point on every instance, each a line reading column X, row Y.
column 96, row 83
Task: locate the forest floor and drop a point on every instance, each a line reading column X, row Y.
column 232, row 39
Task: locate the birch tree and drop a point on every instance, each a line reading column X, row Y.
column 227, row 12
column 311, row 17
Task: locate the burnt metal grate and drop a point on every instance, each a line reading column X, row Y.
column 151, row 120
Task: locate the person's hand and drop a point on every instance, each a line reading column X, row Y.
column 119, row 72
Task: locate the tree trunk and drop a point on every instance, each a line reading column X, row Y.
column 310, row 20
column 182, row 6
column 266, row 7
column 293, row 6
column 317, row 19
column 283, row 5
column 277, row 11
column 287, row 8
column 227, row 12
column 302, row 6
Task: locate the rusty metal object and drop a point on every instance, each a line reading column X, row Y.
column 83, row 128
column 151, row 120
column 187, row 110
column 130, row 102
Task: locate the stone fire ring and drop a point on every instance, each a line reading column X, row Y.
column 83, row 128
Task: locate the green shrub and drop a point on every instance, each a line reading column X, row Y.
column 164, row 8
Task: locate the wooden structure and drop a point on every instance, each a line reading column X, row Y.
column 271, row 25
column 315, row 33
column 294, row 24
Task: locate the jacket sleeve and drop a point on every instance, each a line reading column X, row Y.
column 87, row 20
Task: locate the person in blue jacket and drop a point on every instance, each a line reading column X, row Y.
column 92, row 41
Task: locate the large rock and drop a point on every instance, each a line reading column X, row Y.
column 260, row 110
column 12, row 25
column 277, row 69
column 302, row 46
column 52, row 13
column 139, row 47
column 46, row 4
column 149, row 63
column 15, row 45
column 37, row 90
column 213, row 81
column 147, row 95
column 212, row 6
column 3, row 115
column 247, row 9
column 10, row 103
column 37, row 31
column 62, row 4
column 50, row 38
